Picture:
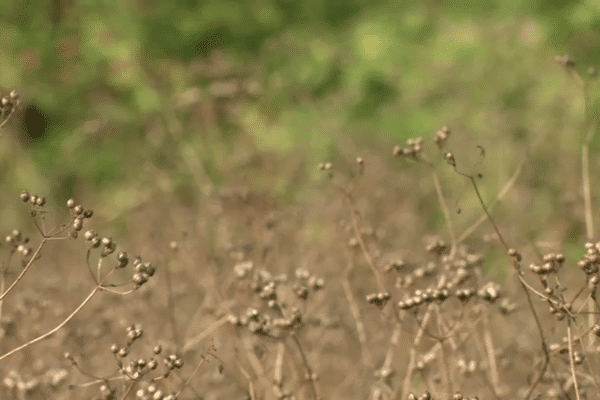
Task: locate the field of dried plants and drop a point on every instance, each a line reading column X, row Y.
column 360, row 291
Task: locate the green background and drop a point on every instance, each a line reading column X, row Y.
column 122, row 97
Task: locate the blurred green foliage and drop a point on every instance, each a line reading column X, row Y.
column 107, row 84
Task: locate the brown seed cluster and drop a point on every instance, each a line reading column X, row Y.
column 79, row 214
column 18, row 243
column 589, row 264
column 8, row 104
column 413, row 148
column 273, row 316
column 379, row 299
column 142, row 371
column 552, row 263
column 442, row 136
column 455, row 279
column 143, row 271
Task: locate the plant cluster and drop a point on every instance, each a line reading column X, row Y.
column 437, row 311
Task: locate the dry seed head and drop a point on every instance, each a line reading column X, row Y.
column 441, row 136
column 109, row 249
column 71, row 203
column 408, row 151
column 449, row 157
column 243, row 269
column 316, row 283
column 302, row 273
column 24, row 196
column 384, row 372
column 360, row 161
column 139, row 279
column 565, row 61
column 325, row 166
column 489, row 292
column 152, row 364
column 593, row 282
column 78, row 224
column 107, row 392
column 123, row 259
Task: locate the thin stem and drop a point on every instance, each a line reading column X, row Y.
column 413, row 354
column 278, row 369
column 587, row 194
column 516, row 266
column 438, row 189
column 446, row 367
column 386, row 368
column 363, row 246
column 56, row 329
column 205, row 333
column 571, row 360
column 128, row 391
column 491, row 355
column 12, row 110
column 499, row 197
column 309, row 371
column 33, row 258
column 171, row 306
column 360, row 326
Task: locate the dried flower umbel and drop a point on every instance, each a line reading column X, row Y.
column 137, row 370
column 18, row 243
column 8, row 104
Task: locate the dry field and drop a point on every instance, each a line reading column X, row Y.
column 404, row 274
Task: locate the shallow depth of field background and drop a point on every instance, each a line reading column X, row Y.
column 201, row 121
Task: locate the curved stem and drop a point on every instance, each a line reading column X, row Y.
column 56, row 329
column 24, row 271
